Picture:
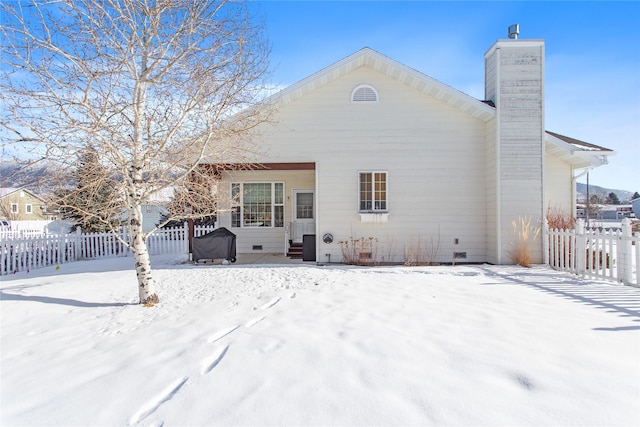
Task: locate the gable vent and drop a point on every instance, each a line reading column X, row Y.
column 364, row 93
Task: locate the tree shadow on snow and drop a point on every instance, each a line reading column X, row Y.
column 61, row 301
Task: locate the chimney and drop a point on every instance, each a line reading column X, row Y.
column 514, row 81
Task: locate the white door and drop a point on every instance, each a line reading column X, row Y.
column 304, row 214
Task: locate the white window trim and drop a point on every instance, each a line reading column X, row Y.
column 15, row 208
column 28, row 208
column 374, row 217
column 367, row 213
column 353, row 92
column 240, row 203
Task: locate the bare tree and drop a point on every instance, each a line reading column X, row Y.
column 155, row 86
column 6, row 212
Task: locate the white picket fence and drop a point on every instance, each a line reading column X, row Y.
column 26, row 253
column 28, row 229
column 612, row 254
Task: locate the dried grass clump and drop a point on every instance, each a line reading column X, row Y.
column 522, row 246
column 419, row 253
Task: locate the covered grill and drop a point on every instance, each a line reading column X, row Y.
column 218, row 244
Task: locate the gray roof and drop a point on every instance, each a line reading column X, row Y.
column 580, row 144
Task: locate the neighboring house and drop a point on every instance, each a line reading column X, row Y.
column 371, row 148
column 19, row 204
column 155, row 210
column 151, row 216
column 616, row 212
column 635, row 206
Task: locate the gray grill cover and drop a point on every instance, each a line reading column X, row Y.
column 218, row 244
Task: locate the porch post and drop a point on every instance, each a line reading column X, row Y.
column 190, row 235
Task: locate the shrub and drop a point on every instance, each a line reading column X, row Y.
column 359, row 251
column 559, row 219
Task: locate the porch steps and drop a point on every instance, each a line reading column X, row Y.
column 295, row 251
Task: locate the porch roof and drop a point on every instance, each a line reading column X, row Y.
column 283, row 166
column 580, row 154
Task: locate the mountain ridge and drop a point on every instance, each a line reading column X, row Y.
column 623, row 195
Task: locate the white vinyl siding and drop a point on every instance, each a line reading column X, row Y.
column 412, row 136
column 558, row 185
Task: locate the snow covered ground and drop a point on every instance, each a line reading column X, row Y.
column 309, row 345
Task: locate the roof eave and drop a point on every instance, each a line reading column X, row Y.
column 578, row 158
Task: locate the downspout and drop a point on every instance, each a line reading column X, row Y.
column 574, row 192
column 588, row 200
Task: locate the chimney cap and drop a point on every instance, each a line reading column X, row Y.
column 514, row 31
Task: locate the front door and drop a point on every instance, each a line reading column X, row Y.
column 304, row 213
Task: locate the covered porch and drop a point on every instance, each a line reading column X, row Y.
column 270, row 207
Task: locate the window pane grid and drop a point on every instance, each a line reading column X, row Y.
column 365, row 191
column 380, row 194
column 278, row 216
column 279, row 193
column 257, row 204
column 304, row 206
column 235, row 217
column 373, row 191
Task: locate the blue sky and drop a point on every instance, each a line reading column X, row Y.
column 592, row 49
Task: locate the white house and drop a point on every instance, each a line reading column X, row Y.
column 371, row 148
column 635, row 206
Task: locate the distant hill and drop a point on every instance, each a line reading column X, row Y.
column 35, row 178
column 623, row 195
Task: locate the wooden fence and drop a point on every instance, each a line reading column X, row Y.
column 25, row 253
column 612, row 254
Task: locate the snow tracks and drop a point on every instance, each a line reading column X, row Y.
column 207, row 365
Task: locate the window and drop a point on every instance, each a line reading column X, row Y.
column 14, row 208
column 28, row 209
column 304, row 205
column 257, row 204
column 364, row 93
column 373, row 191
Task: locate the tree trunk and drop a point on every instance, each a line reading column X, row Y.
column 146, row 288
